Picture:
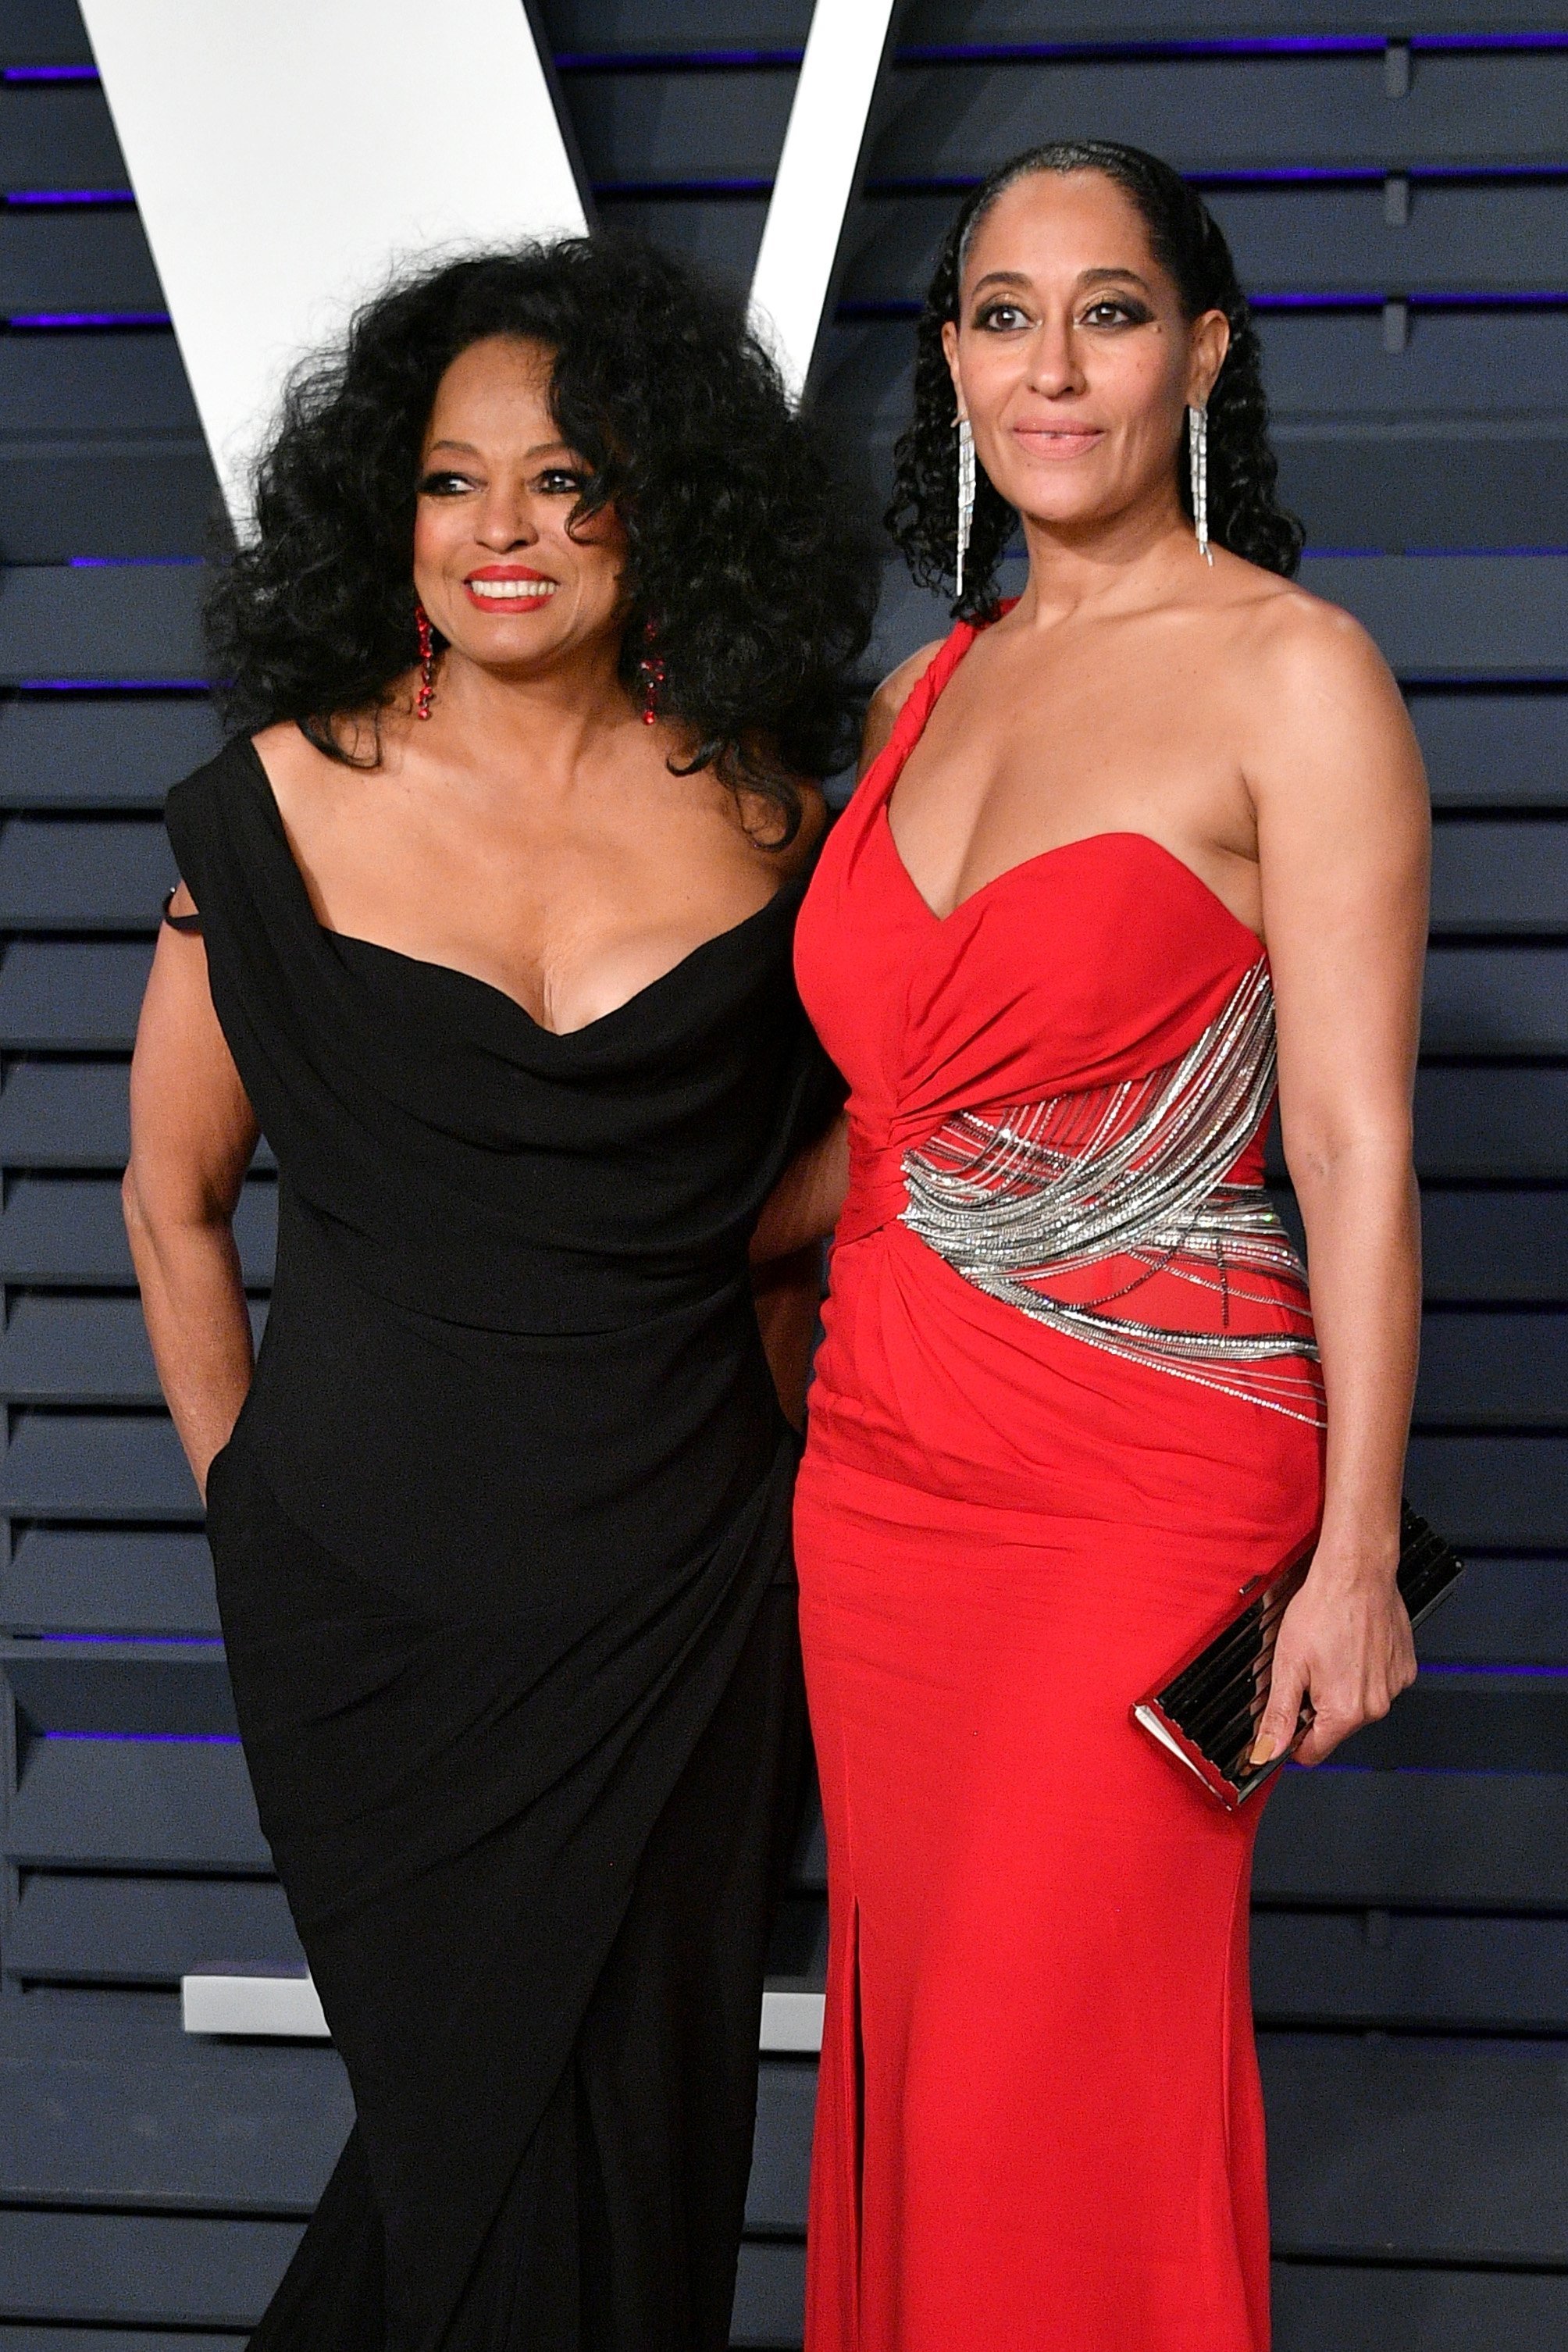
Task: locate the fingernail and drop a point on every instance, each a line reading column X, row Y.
column 1262, row 1750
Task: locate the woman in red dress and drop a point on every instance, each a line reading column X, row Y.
column 1071, row 1394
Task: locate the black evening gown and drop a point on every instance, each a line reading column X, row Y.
column 502, row 1550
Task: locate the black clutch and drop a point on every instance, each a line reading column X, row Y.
column 1207, row 1713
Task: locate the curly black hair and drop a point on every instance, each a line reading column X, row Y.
column 1244, row 513
column 747, row 562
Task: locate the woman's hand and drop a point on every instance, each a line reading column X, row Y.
column 1345, row 1649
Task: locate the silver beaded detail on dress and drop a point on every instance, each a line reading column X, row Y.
column 1136, row 1171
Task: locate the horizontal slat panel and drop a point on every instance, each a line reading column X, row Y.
column 1476, row 1124
column 1372, row 2310
column 59, row 138
column 122, row 499
column 1481, row 1369
column 83, row 1351
column 1417, row 1840
column 89, row 1466
column 124, row 621
column 1455, row 364
column 1381, row 1967
column 719, row 234
column 14, row 2338
column 684, row 126
column 65, row 1114
column 60, row 997
column 115, row 1804
column 1465, row 487
column 107, row 1582
column 770, row 2296
column 43, row 32
column 1507, row 1610
column 64, row 751
column 60, row 874
column 1479, row 1245
column 1507, row 1494
column 76, row 261
column 80, row 1351
column 1230, row 113
column 1493, row 750
column 139, row 1689
column 128, row 382
column 72, row 1230
column 687, row 27
column 1498, row 876
column 780, row 2160
column 1477, row 1000
column 1442, row 2150
column 92, row 1929
column 151, row 2269
column 122, row 2108
column 1303, row 241
column 1467, row 616
column 1460, row 1720
column 1129, row 20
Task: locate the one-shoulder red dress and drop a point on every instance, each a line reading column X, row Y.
column 1067, row 1401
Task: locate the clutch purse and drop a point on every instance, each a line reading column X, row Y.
column 1205, row 1713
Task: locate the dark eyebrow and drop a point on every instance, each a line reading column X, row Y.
column 1085, row 277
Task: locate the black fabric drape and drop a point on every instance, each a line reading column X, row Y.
column 501, row 1539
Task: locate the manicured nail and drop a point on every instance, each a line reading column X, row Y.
column 1262, row 1750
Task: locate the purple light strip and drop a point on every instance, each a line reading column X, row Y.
column 1481, row 1666
column 633, row 191
column 48, row 73
column 151, row 1739
column 68, row 199
column 128, row 562
column 112, row 686
column 61, row 321
column 1262, row 44
column 132, row 1640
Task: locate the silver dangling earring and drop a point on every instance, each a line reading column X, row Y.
column 1198, row 464
column 965, row 495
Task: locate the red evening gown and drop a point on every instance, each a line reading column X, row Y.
column 1067, row 1401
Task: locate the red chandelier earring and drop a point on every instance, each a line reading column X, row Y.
column 426, row 694
column 651, row 671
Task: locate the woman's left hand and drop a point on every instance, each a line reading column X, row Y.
column 1344, row 1647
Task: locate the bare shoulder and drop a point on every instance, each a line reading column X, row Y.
column 1302, row 651
column 293, row 763
column 1328, row 737
column 890, row 697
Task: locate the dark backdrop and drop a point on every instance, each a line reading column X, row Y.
column 1400, row 209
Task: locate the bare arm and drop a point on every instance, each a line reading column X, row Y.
column 1343, row 840
column 192, row 1132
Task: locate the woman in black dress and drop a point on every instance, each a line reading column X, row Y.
column 485, row 923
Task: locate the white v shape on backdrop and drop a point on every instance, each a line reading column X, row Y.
column 286, row 154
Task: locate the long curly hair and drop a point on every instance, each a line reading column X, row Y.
column 749, row 567
column 1244, row 514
